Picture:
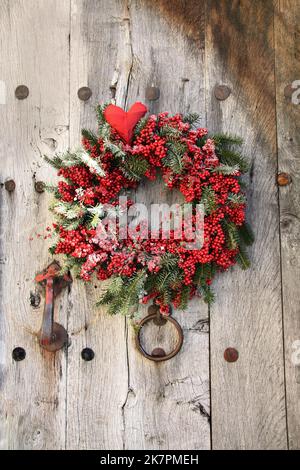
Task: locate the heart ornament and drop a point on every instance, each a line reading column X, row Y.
column 124, row 122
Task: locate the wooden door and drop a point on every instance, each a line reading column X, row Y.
column 119, row 400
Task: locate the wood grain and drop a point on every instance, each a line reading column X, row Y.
column 287, row 42
column 165, row 397
column 96, row 389
column 33, row 391
column 248, row 396
column 120, row 400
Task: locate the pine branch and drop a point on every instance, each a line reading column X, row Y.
column 184, row 297
column 169, row 261
column 191, row 118
column 226, row 169
column 203, row 273
column 114, row 149
column 232, row 232
column 227, row 140
column 237, row 198
column 242, row 258
column 134, row 168
column 231, row 158
column 246, row 234
column 67, row 209
column 91, row 163
column 100, row 113
column 90, row 136
column 174, row 157
column 140, row 126
column 123, row 295
column 208, row 199
column 206, row 293
column 55, row 161
column 169, row 131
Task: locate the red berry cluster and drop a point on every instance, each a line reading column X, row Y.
column 125, row 257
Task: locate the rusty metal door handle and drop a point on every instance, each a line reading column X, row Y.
column 158, row 354
column 52, row 336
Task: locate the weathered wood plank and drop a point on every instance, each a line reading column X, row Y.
column 287, row 55
column 248, row 397
column 96, row 389
column 167, row 406
column 33, row 391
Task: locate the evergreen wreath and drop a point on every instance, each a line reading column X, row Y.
column 130, row 147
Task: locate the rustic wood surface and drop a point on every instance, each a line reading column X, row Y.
column 119, row 400
column 287, row 70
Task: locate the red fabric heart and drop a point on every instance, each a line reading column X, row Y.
column 124, row 122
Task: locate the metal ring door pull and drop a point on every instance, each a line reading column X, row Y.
column 158, row 354
column 52, row 336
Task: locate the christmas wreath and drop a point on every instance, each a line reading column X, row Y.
column 128, row 147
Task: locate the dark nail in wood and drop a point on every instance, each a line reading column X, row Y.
column 87, row 354
column 222, row 92
column 231, row 355
column 283, row 179
column 84, row 93
column 21, row 92
column 18, row 354
column 10, row 186
column 152, row 93
column 39, row 186
column 158, row 352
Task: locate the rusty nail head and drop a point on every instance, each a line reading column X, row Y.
column 84, row 93
column 283, row 179
column 231, row 355
column 10, row 186
column 21, row 92
column 158, row 352
column 152, row 93
column 39, row 186
column 18, row 354
column 222, row 92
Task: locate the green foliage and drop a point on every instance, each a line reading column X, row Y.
column 90, row 136
column 227, row 140
column 169, row 132
column 140, row 126
column 123, row 295
column 232, row 158
column 67, row 209
column 246, row 234
column 167, row 279
column 203, row 273
column 242, row 258
column 184, row 298
column 207, row 294
column 169, row 261
column 232, row 234
column 100, row 113
column 79, row 157
column 53, row 190
column 114, row 149
column 226, row 169
column 237, row 198
column 174, row 157
column 227, row 153
column 134, row 168
column 208, row 199
column 191, row 118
